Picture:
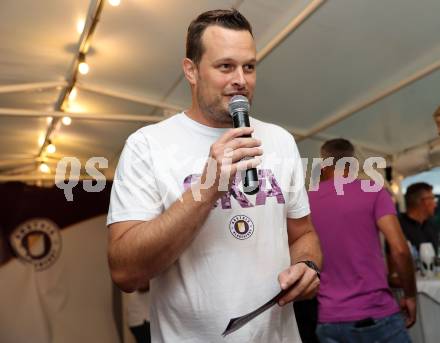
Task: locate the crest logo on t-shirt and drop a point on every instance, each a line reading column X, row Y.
column 37, row 241
column 241, row 227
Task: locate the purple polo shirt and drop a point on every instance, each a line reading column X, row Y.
column 353, row 279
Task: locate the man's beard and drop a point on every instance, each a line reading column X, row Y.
column 214, row 109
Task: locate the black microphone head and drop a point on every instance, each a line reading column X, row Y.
column 238, row 103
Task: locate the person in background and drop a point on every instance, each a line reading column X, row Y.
column 420, row 208
column 138, row 317
column 355, row 303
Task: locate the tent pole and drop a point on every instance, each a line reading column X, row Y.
column 129, row 97
column 346, row 113
column 31, row 86
column 13, row 112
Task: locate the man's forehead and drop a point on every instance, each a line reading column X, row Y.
column 426, row 193
column 215, row 38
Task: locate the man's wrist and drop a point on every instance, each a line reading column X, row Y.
column 311, row 265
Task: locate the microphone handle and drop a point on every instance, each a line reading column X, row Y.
column 241, row 119
column 250, row 182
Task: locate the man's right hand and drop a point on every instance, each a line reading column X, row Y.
column 408, row 306
column 230, row 153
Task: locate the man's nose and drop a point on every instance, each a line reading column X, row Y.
column 239, row 80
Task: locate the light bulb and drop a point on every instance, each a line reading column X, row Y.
column 66, row 121
column 80, row 25
column 49, row 120
column 41, row 139
column 83, row 68
column 51, row 148
column 73, row 94
column 44, row 168
column 114, row 2
column 74, row 107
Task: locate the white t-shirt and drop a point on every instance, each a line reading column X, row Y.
column 232, row 265
column 137, row 307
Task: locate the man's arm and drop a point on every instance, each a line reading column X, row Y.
column 303, row 245
column 140, row 250
column 401, row 256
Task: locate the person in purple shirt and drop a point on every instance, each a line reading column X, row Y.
column 355, row 303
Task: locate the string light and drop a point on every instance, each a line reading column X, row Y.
column 80, row 25
column 73, row 94
column 44, row 168
column 74, row 107
column 83, row 67
column 41, row 139
column 66, row 121
column 51, row 148
column 114, row 3
column 85, row 27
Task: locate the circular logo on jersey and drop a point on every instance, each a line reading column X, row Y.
column 37, row 241
column 241, row 227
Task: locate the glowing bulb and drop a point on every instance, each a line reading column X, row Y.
column 44, row 168
column 49, row 120
column 395, row 188
column 75, row 108
column 41, row 139
column 80, row 25
column 67, row 121
column 51, row 148
column 73, row 94
column 114, row 2
column 83, row 68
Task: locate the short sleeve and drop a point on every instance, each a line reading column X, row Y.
column 383, row 205
column 298, row 204
column 134, row 195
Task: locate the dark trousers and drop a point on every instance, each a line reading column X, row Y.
column 141, row 332
column 389, row 329
column 306, row 313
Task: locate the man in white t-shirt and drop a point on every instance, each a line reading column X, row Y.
column 179, row 218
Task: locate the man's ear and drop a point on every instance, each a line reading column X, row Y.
column 190, row 70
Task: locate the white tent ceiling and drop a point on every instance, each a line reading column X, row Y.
column 365, row 70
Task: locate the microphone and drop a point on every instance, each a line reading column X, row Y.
column 239, row 109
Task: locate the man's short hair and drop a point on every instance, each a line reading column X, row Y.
column 415, row 192
column 337, row 148
column 229, row 19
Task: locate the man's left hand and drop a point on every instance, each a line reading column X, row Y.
column 305, row 283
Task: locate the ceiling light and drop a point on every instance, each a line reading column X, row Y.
column 114, row 2
column 80, row 25
column 51, row 148
column 66, row 121
column 74, row 107
column 41, row 139
column 49, row 120
column 83, row 67
column 73, row 93
column 44, row 168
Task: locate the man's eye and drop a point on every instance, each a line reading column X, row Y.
column 249, row 67
column 225, row 66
